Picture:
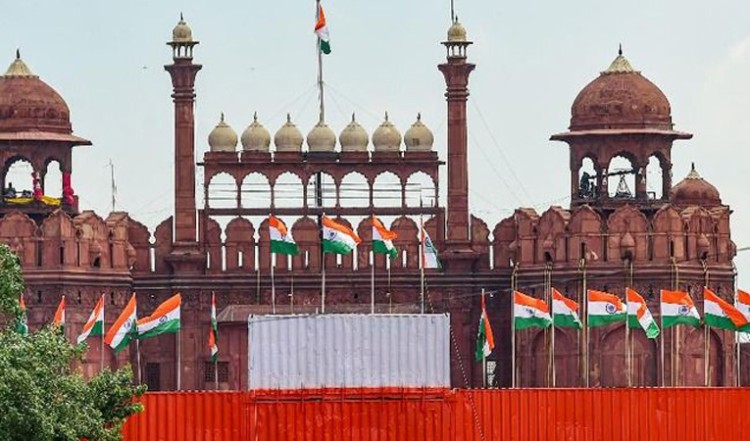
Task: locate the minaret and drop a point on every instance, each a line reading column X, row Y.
column 186, row 253
column 458, row 254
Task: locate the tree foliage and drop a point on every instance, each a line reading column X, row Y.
column 43, row 396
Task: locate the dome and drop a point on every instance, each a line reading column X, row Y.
column 321, row 138
column 353, row 138
column 288, row 138
column 29, row 104
column 255, row 138
column 620, row 98
column 694, row 190
column 457, row 32
column 386, row 138
column 182, row 32
column 222, row 138
column 418, row 137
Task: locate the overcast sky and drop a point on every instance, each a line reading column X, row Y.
column 532, row 59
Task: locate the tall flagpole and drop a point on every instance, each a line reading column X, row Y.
column 585, row 324
column 323, row 270
column 273, row 283
column 484, row 357
column 138, row 359
column 628, row 342
column 661, row 337
column 513, row 283
column 552, row 330
column 422, row 260
column 101, row 339
column 372, row 283
column 322, row 115
column 179, row 360
column 738, row 380
column 706, row 331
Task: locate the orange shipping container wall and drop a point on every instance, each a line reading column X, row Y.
column 422, row 415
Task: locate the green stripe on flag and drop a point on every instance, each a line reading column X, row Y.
column 716, row 321
column 531, row 322
column 325, row 47
column 567, row 321
column 283, row 247
column 379, row 247
column 604, row 320
column 670, row 320
column 336, row 247
column 168, row 327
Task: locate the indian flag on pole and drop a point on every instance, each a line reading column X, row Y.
column 639, row 316
column 213, row 333
column 122, row 332
column 59, row 319
column 164, row 320
column 321, row 30
column 743, row 305
column 22, row 323
column 605, row 308
column 677, row 308
column 485, row 338
column 282, row 241
column 429, row 252
column 382, row 239
column 720, row 314
column 338, row 238
column 564, row 311
column 529, row 312
column 95, row 324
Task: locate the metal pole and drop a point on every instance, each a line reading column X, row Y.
column 738, row 354
column 549, row 299
column 513, row 283
column 422, row 261
column 216, row 374
column 585, row 325
column 138, row 360
column 101, row 338
column 484, row 358
column 291, row 293
column 273, row 283
column 179, row 361
column 322, row 114
column 661, row 337
column 628, row 340
column 372, row 283
column 706, row 331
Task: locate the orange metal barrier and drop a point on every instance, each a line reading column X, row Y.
column 422, row 415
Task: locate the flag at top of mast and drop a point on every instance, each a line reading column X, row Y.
column 321, row 30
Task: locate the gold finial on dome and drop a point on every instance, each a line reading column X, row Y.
column 386, row 138
column 620, row 64
column 182, row 32
column 222, row 138
column 456, row 32
column 353, row 138
column 288, row 138
column 419, row 137
column 255, row 138
column 321, row 138
column 18, row 68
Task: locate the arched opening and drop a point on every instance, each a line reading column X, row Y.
column 386, row 192
column 420, row 190
column 255, row 191
column 654, row 178
column 321, row 190
column 587, row 180
column 288, row 191
column 354, row 191
column 621, row 178
column 222, row 191
column 613, row 362
column 52, row 185
column 19, row 180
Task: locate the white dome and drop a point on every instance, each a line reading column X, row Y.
column 419, row 137
column 255, row 138
column 353, row 138
column 288, row 138
column 386, row 138
column 222, row 138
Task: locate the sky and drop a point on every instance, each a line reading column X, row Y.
column 532, row 59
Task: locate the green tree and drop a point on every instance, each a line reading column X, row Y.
column 43, row 397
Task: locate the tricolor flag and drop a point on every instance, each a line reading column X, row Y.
column 743, row 305
column 564, row 311
column 605, row 308
column 429, row 253
column 213, row 333
column 720, row 314
column 164, row 320
column 123, row 331
column 338, row 238
column 282, row 241
column 321, row 30
column 639, row 316
column 22, row 324
column 678, row 308
column 382, row 239
column 95, row 324
column 529, row 312
column 59, row 319
column 485, row 338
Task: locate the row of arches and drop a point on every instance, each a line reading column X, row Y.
column 18, row 178
column 288, row 190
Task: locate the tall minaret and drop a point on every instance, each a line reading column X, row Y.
column 186, row 252
column 458, row 254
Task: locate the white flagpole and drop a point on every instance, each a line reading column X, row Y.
column 661, row 335
column 372, row 283
column 273, row 283
column 101, row 338
column 422, row 262
column 138, row 360
column 179, row 361
column 323, row 273
column 585, row 325
column 551, row 302
column 513, row 323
